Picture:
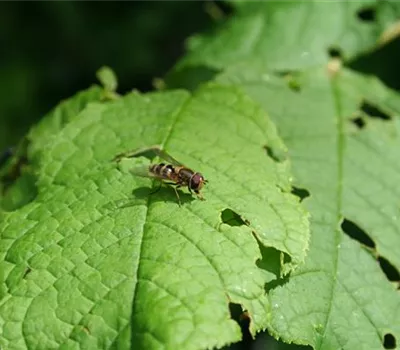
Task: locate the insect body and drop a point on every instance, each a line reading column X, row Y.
column 172, row 173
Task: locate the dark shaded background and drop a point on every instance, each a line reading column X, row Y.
column 51, row 50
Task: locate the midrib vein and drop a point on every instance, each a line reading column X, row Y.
column 149, row 201
column 339, row 191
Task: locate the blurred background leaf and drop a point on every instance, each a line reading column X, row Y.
column 51, row 50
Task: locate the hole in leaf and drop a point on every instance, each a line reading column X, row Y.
column 359, row 122
column 374, row 112
column 355, row 232
column 334, row 52
column 389, row 341
column 389, row 270
column 242, row 318
column 271, row 262
column 276, row 155
column 265, row 341
column 367, row 14
column 276, row 283
column 28, row 270
column 231, row 218
column 300, row 192
column 270, row 259
column 383, row 62
column 286, row 258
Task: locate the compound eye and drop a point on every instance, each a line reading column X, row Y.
column 196, row 182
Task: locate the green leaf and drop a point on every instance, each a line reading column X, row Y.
column 107, row 78
column 289, row 35
column 55, row 121
column 345, row 153
column 16, row 191
column 95, row 261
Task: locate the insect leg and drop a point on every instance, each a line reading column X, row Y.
column 177, row 195
column 199, row 196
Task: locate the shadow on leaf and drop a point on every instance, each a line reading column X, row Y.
column 163, row 194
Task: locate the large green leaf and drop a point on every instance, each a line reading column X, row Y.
column 24, row 189
column 340, row 298
column 66, row 111
column 286, row 35
column 91, row 264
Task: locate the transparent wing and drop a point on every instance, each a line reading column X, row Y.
column 143, row 171
column 164, row 155
column 154, row 150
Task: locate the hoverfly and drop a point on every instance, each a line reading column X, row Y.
column 171, row 173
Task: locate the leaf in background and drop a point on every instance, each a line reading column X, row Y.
column 342, row 130
column 109, row 81
column 89, row 263
column 107, row 78
column 289, row 35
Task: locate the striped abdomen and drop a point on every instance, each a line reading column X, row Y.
column 178, row 174
column 164, row 171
